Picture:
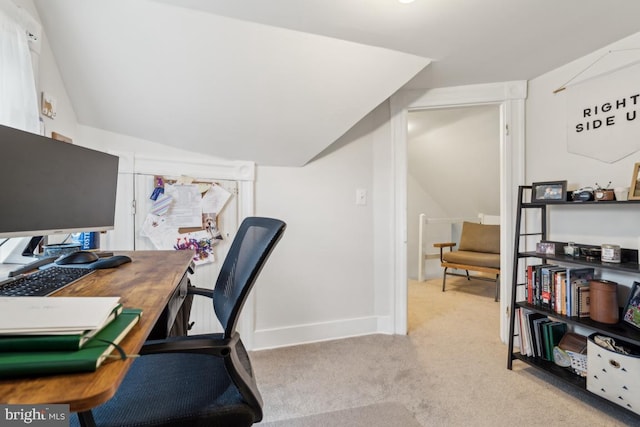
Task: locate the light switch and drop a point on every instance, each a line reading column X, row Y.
column 361, row 196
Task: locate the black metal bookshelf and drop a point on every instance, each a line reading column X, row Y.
column 629, row 264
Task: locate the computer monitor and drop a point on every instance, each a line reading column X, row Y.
column 52, row 187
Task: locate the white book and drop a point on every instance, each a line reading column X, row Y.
column 44, row 315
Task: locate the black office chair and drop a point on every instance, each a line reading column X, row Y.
column 200, row 380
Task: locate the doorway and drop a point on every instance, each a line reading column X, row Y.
column 453, row 168
column 510, row 97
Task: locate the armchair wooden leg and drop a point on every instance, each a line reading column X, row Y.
column 444, row 278
column 497, row 287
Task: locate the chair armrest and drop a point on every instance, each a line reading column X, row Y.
column 449, row 245
column 444, row 245
column 213, row 344
column 193, row 290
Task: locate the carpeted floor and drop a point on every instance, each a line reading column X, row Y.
column 378, row 415
column 450, row 370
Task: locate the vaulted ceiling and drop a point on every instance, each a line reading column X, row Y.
column 278, row 81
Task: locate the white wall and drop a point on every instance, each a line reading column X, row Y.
column 547, row 159
column 320, row 282
column 455, row 157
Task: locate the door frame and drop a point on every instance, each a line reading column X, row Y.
column 510, row 96
column 243, row 172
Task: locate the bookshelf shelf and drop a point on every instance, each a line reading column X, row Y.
column 619, row 331
column 555, row 370
column 627, row 267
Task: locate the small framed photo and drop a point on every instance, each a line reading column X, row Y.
column 549, row 192
column 634, row 189
column 546, row 248
column 631, row 312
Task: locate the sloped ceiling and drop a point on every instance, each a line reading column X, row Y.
column 278, row 81
column 216, row 85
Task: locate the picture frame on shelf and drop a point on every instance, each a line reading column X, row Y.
column 634, row 189
column 549, row 192
column 631, row 312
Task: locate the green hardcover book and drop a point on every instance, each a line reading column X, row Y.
column 545, row 340
column 87, row 359
column 553, row 333
column 52, row 342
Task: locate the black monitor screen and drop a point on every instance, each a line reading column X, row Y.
column 52, row 187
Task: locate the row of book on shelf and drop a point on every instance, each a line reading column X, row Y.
column 52, row 335
column 563, row 290
column 550, row 339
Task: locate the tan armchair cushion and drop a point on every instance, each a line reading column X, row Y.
column 480, row 238
column 473, row 259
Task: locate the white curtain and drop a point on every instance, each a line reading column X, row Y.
column 18, row 95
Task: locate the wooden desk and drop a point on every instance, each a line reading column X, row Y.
column 147, row 282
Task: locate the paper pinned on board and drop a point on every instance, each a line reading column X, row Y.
column 215, row 199
column 161, row 205
column 186, row 209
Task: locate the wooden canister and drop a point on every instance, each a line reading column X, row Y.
column 603, row 304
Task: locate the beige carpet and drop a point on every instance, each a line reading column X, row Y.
column 450, row 370
column 378, row 415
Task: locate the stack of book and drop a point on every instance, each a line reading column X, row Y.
column 563, row 290
column 539, row 334
column 51, row 335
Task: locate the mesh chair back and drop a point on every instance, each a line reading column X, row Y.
column 249, row 250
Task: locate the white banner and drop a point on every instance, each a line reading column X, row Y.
column 603, row 117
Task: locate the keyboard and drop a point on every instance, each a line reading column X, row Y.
column 42, row 282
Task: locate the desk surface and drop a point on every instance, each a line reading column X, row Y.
column 147, row 283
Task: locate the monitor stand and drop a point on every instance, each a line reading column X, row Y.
column 21, row 250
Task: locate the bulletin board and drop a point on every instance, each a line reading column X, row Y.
column 183, row 213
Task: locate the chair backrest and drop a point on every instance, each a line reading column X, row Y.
column 480, row 238
column 250, row 249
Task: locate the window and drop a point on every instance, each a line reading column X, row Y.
column 18, row 95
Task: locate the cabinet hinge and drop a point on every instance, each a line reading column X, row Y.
column 133, row 207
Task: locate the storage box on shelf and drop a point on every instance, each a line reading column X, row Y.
column 614, row 375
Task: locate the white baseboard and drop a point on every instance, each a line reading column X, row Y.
column 315, row 332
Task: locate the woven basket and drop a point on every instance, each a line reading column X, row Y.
column 578, row 363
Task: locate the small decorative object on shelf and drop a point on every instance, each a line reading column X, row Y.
column 603, row 194
column 583, row 194
column 622, row 193
column 571, row 249
column 591, row 254
column 603, row 305
column 610, row 253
